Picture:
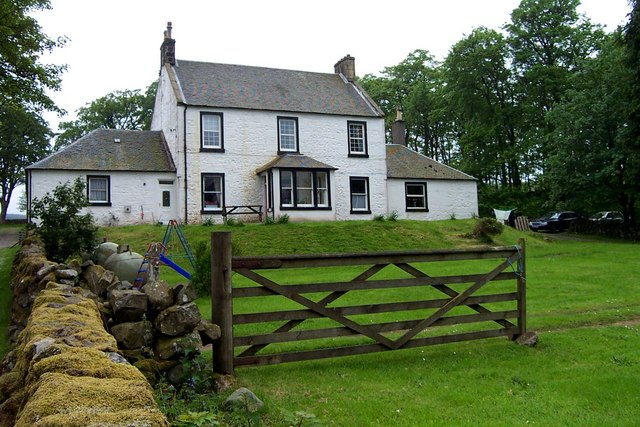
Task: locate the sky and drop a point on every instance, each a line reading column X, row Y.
column 115, row 45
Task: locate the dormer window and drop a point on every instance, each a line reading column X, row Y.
column 211, row 136
column 288, row 135
column 357, row 139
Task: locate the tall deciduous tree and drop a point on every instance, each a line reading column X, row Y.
column 24, row 139
column 24, row 82
column 128, row 109
column 548, row 40
column 594, row 167
column 23, row 79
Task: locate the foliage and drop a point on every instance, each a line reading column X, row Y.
column 24, row 139
column 280, row 219
column 63, row 229
column 232, row 222
column 596, row 166
column 485, row 228
column 392, row 216
column 201, row 278
column 128, row 109
column 24, row 81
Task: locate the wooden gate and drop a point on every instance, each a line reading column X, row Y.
column 466, row 302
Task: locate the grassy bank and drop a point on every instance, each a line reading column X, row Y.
column 583, row 301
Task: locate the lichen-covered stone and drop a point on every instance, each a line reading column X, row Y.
column 185, row 293
column 243, row 399
column 168, row 347
column 64, row 400
column 66, row 274
column 178, row 319
column 209, row 332
column 128, row 305
column 159, row 293
column 98, row 279
column 133, row 334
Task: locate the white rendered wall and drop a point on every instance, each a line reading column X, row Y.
column 141, row 191
column 251, row 141
column 445, row 199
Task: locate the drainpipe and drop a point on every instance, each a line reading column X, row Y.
column 184, row 140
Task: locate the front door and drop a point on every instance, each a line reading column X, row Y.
column 167, row 202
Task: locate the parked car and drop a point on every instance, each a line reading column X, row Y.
column 607, row 217
column 554, row 221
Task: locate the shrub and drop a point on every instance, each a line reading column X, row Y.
column 63, row 230
column 393, row 216
column 485, row 228
column 201, row 279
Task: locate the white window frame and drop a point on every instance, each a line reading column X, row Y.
column 218, row 193
column 357, row 139
column 320, row 194
column 92, row 180
column 211, row 135
column 365, row 194
column 422, row 197
column 290, row 134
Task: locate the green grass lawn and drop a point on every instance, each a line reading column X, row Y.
column 583, row 301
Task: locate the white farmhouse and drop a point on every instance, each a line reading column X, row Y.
column 263, row 140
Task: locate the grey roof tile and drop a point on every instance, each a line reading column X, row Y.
column 294, row 161
column 142, row 151
column 403, row 162
column 259, row 88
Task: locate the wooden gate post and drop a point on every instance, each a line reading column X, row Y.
column 221, row 301
column 522, row 289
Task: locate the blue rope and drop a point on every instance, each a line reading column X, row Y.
column 517, row 272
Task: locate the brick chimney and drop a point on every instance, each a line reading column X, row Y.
column 399, row 129
column 347, row 67
column 168, row 48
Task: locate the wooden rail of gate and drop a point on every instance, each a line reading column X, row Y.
column 510, row 267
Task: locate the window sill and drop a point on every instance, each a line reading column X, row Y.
column 417, row 210
column 211, row 150
column 281, row 152
column 363, row 156
column 99, row 203
column 211, row 211
column 367, row 212
column 309, row 208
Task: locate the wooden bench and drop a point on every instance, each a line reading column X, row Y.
column 242, row 210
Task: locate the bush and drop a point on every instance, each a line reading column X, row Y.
column 485, row 228
column 63, row 230
column 201, row 279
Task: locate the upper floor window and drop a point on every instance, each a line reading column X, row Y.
column 359, row 189
column 211, row 137
column 98, row 191
column 357, row 139
column 212, row 191
column 288, row 134
column 304, row 189
column 416, row 196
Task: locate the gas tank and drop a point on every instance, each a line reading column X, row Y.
column 125, row 265
column 104, row 251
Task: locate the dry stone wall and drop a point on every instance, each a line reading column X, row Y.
column 87, row 344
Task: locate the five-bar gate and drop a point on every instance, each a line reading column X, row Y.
column 467, row 307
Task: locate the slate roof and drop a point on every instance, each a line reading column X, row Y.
column 402, row 162
column 257, row 88
column 297, row 161
column 138, row 151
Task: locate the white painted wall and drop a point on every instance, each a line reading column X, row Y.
column 251, row 141
column 141, row 191
column 445, row 198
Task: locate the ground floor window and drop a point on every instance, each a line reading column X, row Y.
column 304, row 189
column 359, row 190
column 98, row 191
column 212, row 191
column 416, row 196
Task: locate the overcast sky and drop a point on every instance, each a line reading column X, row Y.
column 115, row 44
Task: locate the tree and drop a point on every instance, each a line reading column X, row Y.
column 23, row 80
column 548, row 41
column 480, row 90
column 128, row 109
column 414, row 85
column 594, row 168
column 64, row 231
column 24, row 139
